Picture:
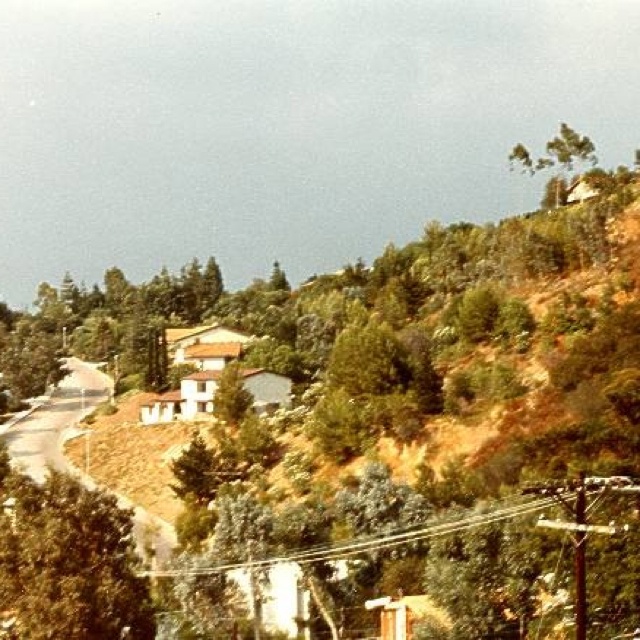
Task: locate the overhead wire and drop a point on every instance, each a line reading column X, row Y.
column 337, row 552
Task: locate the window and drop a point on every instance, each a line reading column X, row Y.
column 202, row 407
column 202, row 387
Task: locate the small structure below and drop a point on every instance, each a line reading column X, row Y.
column 398, row 616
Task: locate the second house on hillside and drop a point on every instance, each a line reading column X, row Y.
column 270, row 391
column 209, row 347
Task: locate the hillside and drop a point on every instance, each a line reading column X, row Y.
column 134, row 460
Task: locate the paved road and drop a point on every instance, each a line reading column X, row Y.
column 35, row 443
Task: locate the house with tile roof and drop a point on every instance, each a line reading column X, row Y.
column 195, row 398
column 213, row 356
column 209, row 347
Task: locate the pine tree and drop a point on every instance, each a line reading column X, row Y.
column 232, row 400
column 278, row 280
column 193, row 472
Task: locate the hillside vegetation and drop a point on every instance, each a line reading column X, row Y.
column 446, row 376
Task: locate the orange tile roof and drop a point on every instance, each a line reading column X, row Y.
column 169, row 396
column 214, row 350
column 202, row 376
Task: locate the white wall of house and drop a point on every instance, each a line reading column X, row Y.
column 150, row 414
column 197, row 397
column 284, row 601
column 213, row 335
column 204, row 364
column 210, row 364
column 159, row 412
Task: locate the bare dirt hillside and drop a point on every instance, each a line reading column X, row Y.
column 131, row 459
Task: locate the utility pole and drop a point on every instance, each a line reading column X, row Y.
column 581, row 562
column 564, row 493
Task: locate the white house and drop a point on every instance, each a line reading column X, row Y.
column 208, row 347
column 580, row 191
column 285, row 607
column 195, row 398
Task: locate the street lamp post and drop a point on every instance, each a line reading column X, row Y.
column 87, row 451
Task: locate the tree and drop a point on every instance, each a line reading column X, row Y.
column 232, row 400
column 515, row 324
column 30, row 360
column 278, row 280
column 487, row 579
column 7, row 316
column 478, row 313
column 556, row 192
column 68, row 564
column 117, row 292
column 340, row 426
column 368, row 360
column 374, row 506
column 268, row 353
column 564, row 150
column 624, row 394
column 209, row 603
column 193, row 472
column 244, row 534
column 426, row 381
column 212, row 286
column 378, row 505
column 157, row 359
column 304, row 526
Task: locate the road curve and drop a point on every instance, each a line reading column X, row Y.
column 35, row 444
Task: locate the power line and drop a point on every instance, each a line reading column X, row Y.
column 336, row 552
column 581, row 489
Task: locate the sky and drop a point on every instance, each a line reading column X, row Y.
column 312, row 132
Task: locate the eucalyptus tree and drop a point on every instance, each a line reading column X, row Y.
column 304, row 526
column 244, row 534
column 564, row 151
column 373, row 506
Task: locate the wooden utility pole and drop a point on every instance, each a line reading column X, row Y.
column 581, row 562
column 564, row 493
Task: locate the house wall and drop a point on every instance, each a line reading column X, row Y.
column 197, row 397
column 192, row 397
column 209, row 364
column 283, row 602
column 149, row 414
column 204, row 364
column 269, row 388
column 217, row 334
column 158, row 412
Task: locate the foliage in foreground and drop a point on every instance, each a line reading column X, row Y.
column 68, row 563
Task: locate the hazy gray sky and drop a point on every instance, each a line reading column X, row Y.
column 142, row 134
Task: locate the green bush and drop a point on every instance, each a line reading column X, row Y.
column 340, row 426
column 497, row 382
column 515, row 324
column 458, row 390
column 478, row 313
column 299, row 468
